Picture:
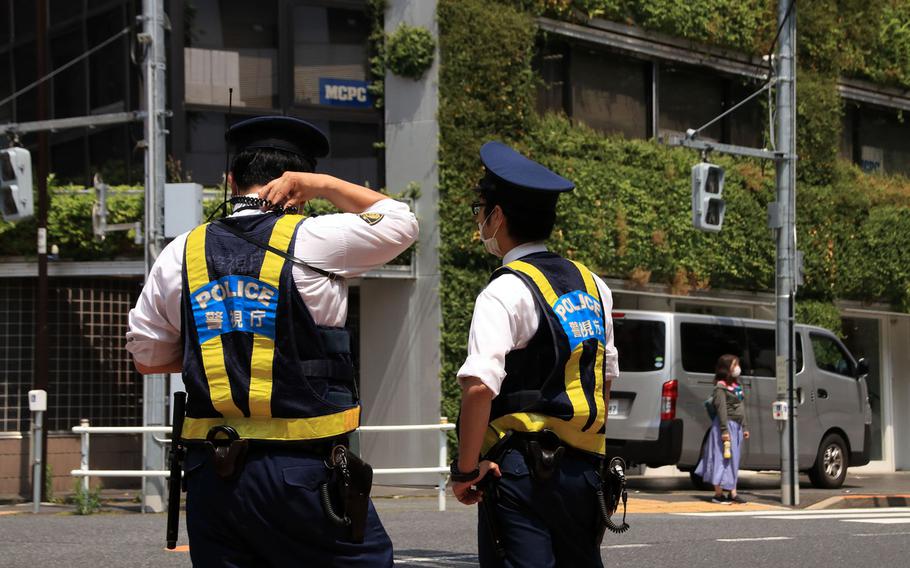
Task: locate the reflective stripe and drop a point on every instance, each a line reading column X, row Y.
column 537, row 276
column 264, row 347
column 581, row 411
column 197, row 274
column 531, row 422
column 599, row 392
column 259, row 428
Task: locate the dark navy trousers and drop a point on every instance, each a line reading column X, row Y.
column 271, row 516
column 543, row 524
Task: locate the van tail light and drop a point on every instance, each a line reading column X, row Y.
column 668, row 397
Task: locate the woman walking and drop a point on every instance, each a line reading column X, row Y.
column 719, row 464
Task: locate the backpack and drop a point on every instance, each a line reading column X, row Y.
column 709, row 407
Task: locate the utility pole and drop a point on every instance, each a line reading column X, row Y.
column 785, row 227
column 154, row 386
column 40, row 380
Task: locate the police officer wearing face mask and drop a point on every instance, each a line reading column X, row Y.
column 536, row 380
column 251, row 309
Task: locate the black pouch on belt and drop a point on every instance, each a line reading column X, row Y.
column 543, row 452
column 228, row 451
column 352, row 479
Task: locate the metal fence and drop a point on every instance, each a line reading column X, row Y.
column 85, row 430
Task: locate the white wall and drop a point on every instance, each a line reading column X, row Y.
column 899, row 329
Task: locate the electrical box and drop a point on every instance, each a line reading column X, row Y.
column 182, row 208
column 780, row 410
column 37, row 400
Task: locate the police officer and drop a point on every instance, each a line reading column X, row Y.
column 536, row 380
column 251, row 309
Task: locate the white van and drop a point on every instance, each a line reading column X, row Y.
column 657, row 416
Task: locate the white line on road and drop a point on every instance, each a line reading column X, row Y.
column 884, row 534
column 891, row 521
column 627, row 546
column 890, row 510
column 754, row 539
column 823, row 516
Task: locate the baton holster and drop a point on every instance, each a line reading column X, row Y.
column 351, row 481
column 228, row 451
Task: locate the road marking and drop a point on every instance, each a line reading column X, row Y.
column 883, row 521
column 614, row 546
column 754, row 539
column 797, row 513
column 884, row 534
column 845, row 515
column 180, row 548
column 467, row 558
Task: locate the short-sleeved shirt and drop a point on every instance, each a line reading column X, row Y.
column 346, row 244
column 506, row 318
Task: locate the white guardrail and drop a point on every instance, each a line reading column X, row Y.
column 85, row 430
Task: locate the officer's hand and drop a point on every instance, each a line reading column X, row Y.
column 292, row 189
column 467, row 492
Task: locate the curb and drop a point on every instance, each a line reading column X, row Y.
column 862, row 501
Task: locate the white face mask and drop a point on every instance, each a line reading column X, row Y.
column 490, row 244
column 736, row 372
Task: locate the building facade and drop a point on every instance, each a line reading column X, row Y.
column 311, row 59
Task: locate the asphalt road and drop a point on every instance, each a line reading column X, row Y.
column 424, row 537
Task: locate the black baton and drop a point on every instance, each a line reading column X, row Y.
column 174, row 482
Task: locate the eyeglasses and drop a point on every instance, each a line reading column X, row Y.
column 475, row 207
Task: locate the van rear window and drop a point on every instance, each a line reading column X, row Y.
column 640, row 344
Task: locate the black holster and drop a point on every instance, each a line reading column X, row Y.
column 228, row 451
column 611, row 493
column 543, row 452
column 351, row 481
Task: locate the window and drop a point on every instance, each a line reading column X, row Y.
column 830, row 356
column 330, row 57
column 640, row 344
column 761, row 361
column 703, row 344
column 875, row 138
column 68, row 88
column 610, row 93
column 551, row 63
column 234, row 46
column 689, row 99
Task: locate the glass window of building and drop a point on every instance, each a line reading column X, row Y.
column 6, row 86
column 109, row 68
column 690, row 98
column 551, row 65
column 5, row 23
column 880, row 140
column 232, row 45
column 610, row 92
column 68, row 88
column 205, row 152
column 353, row 156
column 331, row 56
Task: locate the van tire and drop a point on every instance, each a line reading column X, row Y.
column 699, row 483
column 830, row 469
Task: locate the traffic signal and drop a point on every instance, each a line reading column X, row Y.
column 15, row 184
column 707, row 196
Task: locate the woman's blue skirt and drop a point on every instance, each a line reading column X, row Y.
column 713, row 468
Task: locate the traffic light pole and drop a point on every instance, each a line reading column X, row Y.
column 154, row 386
column 784, row 222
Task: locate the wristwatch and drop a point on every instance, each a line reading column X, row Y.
column 459, row 476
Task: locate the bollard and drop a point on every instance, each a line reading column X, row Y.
column 83, row 460
column 443, row 462
column 37, row 403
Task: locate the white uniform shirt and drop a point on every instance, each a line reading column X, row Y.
column 505, row 318
column 343, row 243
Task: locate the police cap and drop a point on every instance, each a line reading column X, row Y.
column 520, row 180
column 284, row 133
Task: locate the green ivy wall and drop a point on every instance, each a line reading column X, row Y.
column 630, row 216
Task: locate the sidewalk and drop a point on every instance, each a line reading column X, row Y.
column 661, row 490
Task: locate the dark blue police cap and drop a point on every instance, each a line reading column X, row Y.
column 520, row 176
column 279, row 133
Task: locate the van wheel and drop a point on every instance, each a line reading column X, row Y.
column 830, row 469
column 699, row 483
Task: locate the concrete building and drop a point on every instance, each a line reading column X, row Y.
column 292, row 57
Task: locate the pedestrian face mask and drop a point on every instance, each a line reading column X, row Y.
column 490, row 244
